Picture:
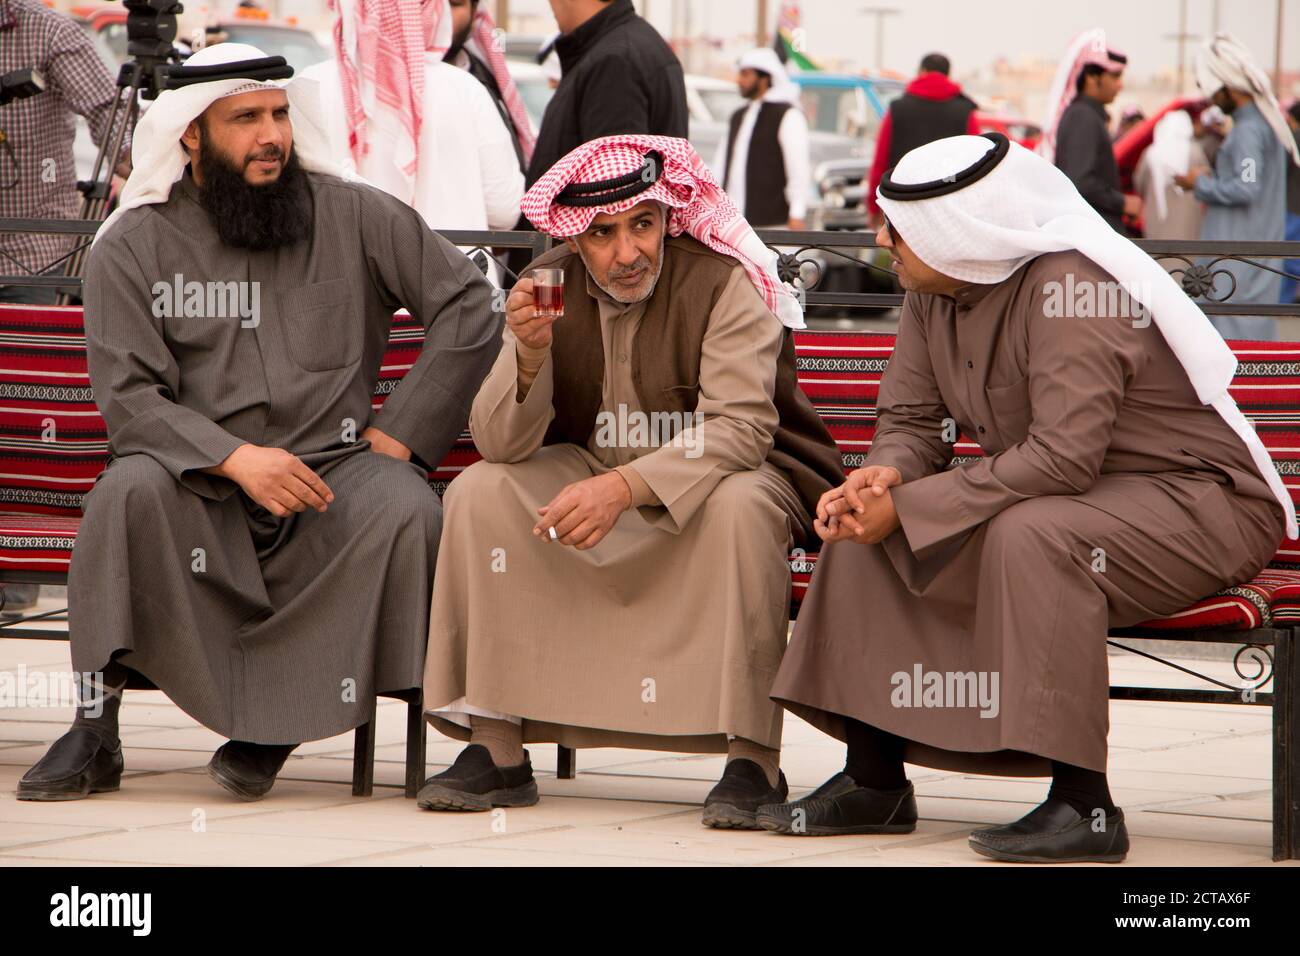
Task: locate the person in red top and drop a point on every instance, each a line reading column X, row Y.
column 932, row 107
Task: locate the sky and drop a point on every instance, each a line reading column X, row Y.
column 975, row 34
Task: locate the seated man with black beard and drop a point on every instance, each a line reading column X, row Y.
column 262, row 543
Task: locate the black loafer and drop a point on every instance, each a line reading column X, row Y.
column 474, row 782
column 77, row 764
column 840, row 806
column 1054, row 832
column 734, row 801
column 248, row 770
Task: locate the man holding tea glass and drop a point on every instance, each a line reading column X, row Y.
column 615, row 569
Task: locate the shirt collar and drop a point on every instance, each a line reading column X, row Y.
column 972, row 293
column 7, row 18
column 1095, row 105
column 189, row 187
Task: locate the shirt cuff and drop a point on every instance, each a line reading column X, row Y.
column 642, row 494
column 529, row 362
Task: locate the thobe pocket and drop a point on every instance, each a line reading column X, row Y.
column 323, row 325
column 1012, row 413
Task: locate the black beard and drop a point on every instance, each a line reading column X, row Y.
column 252, row 217
column 458, row 42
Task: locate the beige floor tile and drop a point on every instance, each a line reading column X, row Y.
column 13, row 837
column 394, row 818
column 1201, row 829
column 481, row 855
column 1258, row 807
column 181, row 845
column 1246, row 756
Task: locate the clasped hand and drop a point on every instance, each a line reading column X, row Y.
column 861, row 509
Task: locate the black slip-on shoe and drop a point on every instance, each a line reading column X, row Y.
column 1054, row 832
column 734, row 800
column 77, row 764
column 246, row 769
column 474, row 782
column 840, row 806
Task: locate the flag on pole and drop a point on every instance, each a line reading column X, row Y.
column 789, row 41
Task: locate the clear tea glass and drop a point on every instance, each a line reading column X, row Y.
column 548, row 293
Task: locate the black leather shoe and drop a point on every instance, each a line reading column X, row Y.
column 248, row 770
column 474, row 782
column 840, row 806
column 1054, row 832
column 77, row 764
column 735, row 799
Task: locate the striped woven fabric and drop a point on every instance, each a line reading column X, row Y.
column 53, row 442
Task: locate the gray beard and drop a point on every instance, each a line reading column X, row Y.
column 619, row 296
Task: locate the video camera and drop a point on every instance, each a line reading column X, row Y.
column 150, row 31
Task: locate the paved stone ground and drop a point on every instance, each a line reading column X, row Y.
column 1194, row 781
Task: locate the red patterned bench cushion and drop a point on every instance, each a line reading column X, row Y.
column 53, row 443
column 37, row 542
column 52, row 440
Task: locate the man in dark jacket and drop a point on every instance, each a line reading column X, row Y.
column 619, row 77
column 932, row 107
column 1083, row 146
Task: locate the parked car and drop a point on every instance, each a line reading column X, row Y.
column 1130, row 147
column 1018, row 130
column 848, row 104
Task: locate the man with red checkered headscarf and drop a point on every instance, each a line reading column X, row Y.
column 666, row 388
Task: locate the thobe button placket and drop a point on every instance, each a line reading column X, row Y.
column 970, row 364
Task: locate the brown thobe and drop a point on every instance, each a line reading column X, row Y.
column 272, row 630
column 1108, row 495
column 667, row 634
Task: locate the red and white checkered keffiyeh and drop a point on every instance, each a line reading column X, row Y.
column 699, row 207
column 380, row 46
column 488, row 43
column 1088, row 48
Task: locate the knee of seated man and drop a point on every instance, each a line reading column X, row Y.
column 406, row 500
column 477, row 486
column 129, row 482
column 1030, row 525
column 742, row 497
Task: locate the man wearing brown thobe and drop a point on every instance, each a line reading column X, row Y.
column 557, row 615
column 958, row 615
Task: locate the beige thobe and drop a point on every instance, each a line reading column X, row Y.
column 1108, row 495
column 668, row 633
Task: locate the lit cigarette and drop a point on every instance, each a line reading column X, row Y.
column 554, row 536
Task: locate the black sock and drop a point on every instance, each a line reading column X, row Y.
column 1085, row 790
column 98, row 706
column 875, row 758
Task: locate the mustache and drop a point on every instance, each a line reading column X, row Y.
column 271, row 152
column 620, row 272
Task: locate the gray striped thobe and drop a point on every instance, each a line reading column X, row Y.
column 264, row 629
